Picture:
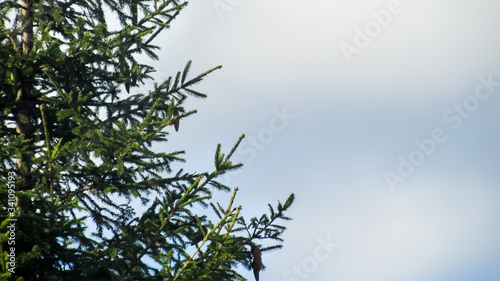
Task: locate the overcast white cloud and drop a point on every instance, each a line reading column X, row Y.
column 352, row 122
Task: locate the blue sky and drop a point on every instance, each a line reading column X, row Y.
column 351, row 119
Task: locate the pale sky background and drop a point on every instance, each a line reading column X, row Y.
column 352, row 122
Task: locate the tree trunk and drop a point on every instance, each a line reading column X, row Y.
column 24, row 100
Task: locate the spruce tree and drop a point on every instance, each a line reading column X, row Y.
column 76, row 151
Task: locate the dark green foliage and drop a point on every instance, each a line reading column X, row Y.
column 81, row 152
